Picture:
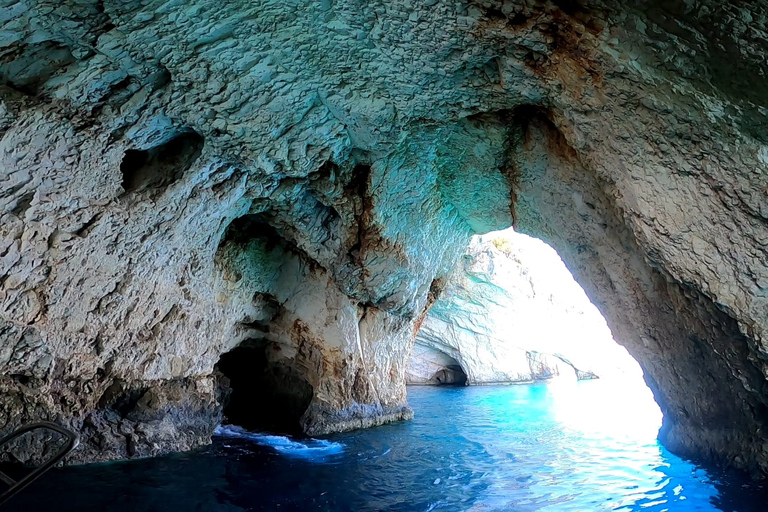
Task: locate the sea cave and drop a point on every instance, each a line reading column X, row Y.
column 457, row 251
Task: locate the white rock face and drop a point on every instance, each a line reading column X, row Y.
column 178, row 179
column 511, row 312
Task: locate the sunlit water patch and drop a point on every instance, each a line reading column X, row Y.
column 563, row 447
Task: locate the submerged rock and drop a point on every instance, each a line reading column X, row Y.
column 511, row 313
column 180, row 178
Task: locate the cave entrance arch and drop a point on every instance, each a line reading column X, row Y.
column 431, row 366
column 451, row 374
column 701, row 367
column 260, row 393
column 263, row 380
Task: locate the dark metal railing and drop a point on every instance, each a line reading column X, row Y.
column 70, row 444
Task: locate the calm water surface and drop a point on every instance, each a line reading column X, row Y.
column 573, row 447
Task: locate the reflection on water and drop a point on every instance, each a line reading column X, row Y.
column 560, row 447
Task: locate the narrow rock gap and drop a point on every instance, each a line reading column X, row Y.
column 357, row 190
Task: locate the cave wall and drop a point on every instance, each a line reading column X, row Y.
column 373, row 140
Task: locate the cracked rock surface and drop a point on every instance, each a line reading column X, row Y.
column 180, row 178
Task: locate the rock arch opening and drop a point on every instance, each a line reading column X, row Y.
column 262, row 392
column 695, row 358
column 160, row 165
column 452, row 375
column 263, row 384
column 511, row 312
column 430, row 366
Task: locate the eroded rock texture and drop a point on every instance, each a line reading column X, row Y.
column 511, row 313
column 180, row 178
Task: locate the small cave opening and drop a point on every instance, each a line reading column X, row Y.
column 450, row 375
column 251, row 227
column 161, row 165
column 262, row 392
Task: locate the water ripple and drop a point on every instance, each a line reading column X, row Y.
column 587, row 448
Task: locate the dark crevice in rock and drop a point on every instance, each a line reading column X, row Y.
column 89, row 226
column 261, row 393
column 161, row 78
column 244, row 229
column 436, row 288
column 159, row 166
column 25, row 69
column 23, row 203
column 121, row 398
column 21, row 379
column 357, row 191
column 102, row 23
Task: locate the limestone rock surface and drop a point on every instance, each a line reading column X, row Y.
column 182, row 179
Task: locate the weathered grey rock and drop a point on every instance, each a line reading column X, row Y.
column 356, row 148
column 512, row 313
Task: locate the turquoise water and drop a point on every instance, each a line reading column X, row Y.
column 575, row 447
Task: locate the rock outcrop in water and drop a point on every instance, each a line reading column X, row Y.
column 180, row 180
column 511, row 313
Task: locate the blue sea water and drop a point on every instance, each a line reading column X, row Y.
column 584, row 446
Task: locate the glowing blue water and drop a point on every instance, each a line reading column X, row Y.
column 517, row 448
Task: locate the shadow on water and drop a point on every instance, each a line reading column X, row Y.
column 516, row 448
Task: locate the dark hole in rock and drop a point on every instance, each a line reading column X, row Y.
column 264, row 394
column 23, row 204
column 450, row 375
column 518, row 19
column 121, row 398
column 357, row 191
column 569, row 6
column 359, row 182
column 21, row 379
column 495, row 14
column 160, row 78
column 161, row 165
column 252, row 226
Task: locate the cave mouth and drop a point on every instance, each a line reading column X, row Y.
column 513, row 313
column 161, row 165
column 262, row 393
column 451, row 374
